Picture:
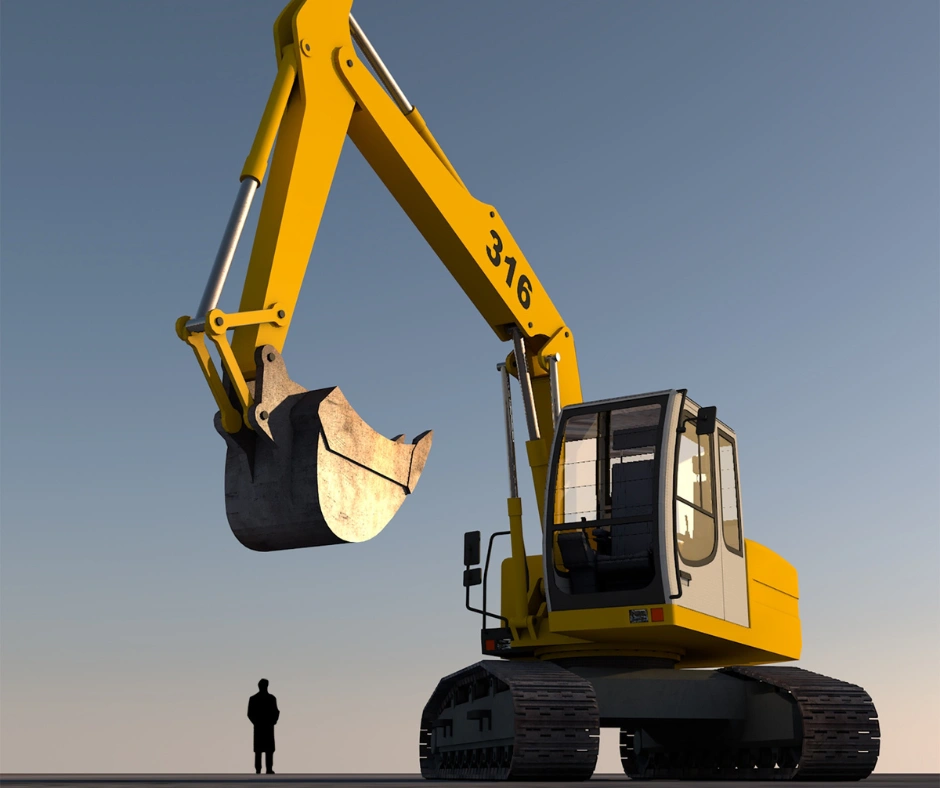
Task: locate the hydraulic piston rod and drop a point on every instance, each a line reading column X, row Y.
column 380, row 68
column 553, row 360
column 510, row 436
column 525, row 383
column 520, row 582
column 223, row 258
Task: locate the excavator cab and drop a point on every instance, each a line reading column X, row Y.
column 643, row 507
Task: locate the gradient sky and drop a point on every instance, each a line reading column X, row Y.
column 737, row 198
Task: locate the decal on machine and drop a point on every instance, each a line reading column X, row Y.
column 523, row 285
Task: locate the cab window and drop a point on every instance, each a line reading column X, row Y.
column 730, row 513
column 696, row 530
column 607, row 467
column 605, row 499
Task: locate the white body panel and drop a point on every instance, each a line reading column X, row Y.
column 734, row 581
column 705, row 591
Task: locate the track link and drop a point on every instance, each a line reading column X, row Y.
column 841, row 734
column 551, row 725
column 840, row 737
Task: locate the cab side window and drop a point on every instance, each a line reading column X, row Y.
column 730, row 510
column 696, row 530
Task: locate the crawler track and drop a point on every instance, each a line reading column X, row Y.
column 840, row 737
column 551, row 725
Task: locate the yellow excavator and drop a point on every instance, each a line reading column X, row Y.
column 644, row 571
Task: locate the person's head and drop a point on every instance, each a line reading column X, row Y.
column 263, row 685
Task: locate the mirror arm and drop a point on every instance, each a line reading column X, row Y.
column 706, row 415
column 486, row 572
column 469, row 578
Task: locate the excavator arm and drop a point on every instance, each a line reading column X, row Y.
column 324, row 91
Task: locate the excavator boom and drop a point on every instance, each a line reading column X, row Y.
column 323, row 92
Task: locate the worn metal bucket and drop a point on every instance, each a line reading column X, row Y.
column 312, row 472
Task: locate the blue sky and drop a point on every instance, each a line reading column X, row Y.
column 737, row 198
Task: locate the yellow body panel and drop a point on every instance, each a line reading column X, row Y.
column 771, row 570
column 692, row 639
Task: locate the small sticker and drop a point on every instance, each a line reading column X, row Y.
column 639, row 617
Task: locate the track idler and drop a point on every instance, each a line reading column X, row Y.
column 311, row 472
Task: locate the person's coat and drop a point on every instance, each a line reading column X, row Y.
column 263, row 713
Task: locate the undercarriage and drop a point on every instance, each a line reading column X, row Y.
column 499, row 720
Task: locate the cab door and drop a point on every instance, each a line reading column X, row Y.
column 696, row 524
column 603, row 530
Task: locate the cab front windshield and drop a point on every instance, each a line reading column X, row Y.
column 605, row 499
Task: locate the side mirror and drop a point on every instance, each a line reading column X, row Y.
column 705, row 422
column 471, row 550
column 472, row 577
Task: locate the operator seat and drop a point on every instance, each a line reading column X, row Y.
column 580, row 561
column 629, row 564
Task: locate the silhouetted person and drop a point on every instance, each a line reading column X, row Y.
column 263, row 713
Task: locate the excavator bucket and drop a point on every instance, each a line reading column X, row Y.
column 311, row 472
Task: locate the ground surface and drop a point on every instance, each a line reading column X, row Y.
column 382, row 781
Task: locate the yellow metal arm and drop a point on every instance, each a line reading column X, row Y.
column 323, row 92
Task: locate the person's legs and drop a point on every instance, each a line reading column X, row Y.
column 257, row 763
column 269, row 762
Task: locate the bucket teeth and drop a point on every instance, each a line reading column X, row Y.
column 312, row 472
